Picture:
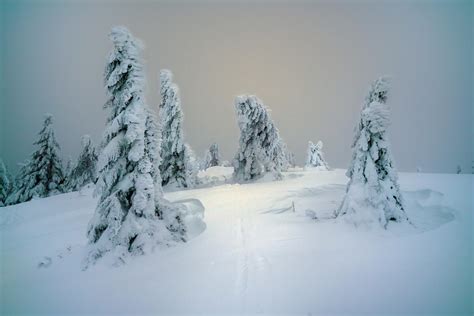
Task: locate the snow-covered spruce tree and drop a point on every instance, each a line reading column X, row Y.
column 290, row 158
column 6, row 184
column 279, row 158
column 84, row 171
column 174, row 164
column 170, row 214
column 315, row 156
column 191, row 166
column 373, row 194
column 259, row 144
column 127, row 218
column 67, row 174
column 212, row 157
column 42, row 175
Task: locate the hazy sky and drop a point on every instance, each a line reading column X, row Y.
column 310, row 62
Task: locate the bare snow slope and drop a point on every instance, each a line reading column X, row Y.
column 262, row 251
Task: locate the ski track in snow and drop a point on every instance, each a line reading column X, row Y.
column 257, row 254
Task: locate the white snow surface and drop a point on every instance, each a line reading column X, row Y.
column 267, row 247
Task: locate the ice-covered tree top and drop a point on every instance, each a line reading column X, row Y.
column 123, row 67
column 319, row 145
column 315, row 155
column 250, row 109
column 166, row 77
column 378, row 91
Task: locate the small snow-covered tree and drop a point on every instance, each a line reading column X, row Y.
column 290, row 157
column 6, row 184
column 260, row 146
column 84, row 171
column 212, row 157
column 191, row 165
column 67, row 174
column 279, row 157
column 373, row 194
column 174, row 164
column 129, row 217
column 315, row 156
column 42, row 175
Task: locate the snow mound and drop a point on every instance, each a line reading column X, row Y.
column 193, row 217
column 425, row 209
column 215, row 175
column 318, row 168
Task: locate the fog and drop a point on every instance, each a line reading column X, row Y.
column 310, row 62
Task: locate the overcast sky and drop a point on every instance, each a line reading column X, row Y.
column 310, row 62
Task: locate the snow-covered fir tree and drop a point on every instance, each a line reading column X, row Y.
column 129, row 218
column 315, row 157
column 373, row 194
column 290, row 158
column 279, row 157
column 42, row 175
column 84, row 171
column 67, row 174
column 170, row 214
column 212, row 156
column 191, row 165
column 174, row 162
column 260, row 145
column 6, row 183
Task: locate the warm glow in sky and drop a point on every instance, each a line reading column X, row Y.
column 310, row 62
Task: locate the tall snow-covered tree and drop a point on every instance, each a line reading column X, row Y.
column 84, row 171
column 212, row 156
column 174, row 162
column 169, row 214
column 42, row 175
column 373, row 194
column 67, row 173
column 128, row 216
column 6, row 184
column 315, row 156
column 260, row 145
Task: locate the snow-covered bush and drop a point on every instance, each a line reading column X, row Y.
column 6, row 184
column 84, row 171
column 315, row 156
column 373, row 194
column 174, row 160
column 212, row 157
column 260, row 145
column 42, row 175
column 131, row 215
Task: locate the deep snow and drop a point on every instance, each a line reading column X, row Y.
column 262, row 251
